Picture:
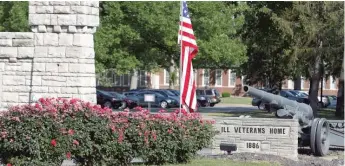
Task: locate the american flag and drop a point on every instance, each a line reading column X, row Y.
column 189, row 49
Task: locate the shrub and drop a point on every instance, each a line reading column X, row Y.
column 225, row 94
column 52, row 130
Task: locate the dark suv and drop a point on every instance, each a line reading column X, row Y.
column 212, row 94
column 108, row 99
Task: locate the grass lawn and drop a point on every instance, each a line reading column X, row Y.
column 224, row 162
column 236, row 100
column 323, row 113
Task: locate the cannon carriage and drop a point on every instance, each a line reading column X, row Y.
column 313, row 132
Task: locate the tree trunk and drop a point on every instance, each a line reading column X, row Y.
column 315, row 75
column 172, row 77
column 297, row 83
column 134, row 80
column 339, row 111
column 313, row 93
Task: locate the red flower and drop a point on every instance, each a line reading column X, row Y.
column 68, row 155
column 53, row 142
column 154, row 135
column 75, row 142
column 70, row 132
column 8, row 164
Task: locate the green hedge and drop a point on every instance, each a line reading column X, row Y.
column 57, row 129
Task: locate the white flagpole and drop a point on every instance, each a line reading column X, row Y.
column 180, row 41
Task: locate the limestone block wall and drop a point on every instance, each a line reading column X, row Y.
column 56, row 59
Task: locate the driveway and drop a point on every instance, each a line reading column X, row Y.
column 220, row 108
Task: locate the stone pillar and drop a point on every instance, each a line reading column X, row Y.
column 56, row 59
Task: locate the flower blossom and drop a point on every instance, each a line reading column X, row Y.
column 75, row 142
column 68, row 155
column 53, row 142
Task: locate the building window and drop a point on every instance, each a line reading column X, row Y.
column 177, row 80
column 117, row 79
column 290, row 84
column 232, row 78
column 302, row 83
column 324, row 83
column 126, row 80
column 142, row 78
column 218, row 77
column 166, row 77
column 206, row 77
column 332, row 83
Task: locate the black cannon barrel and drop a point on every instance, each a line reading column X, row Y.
column 280, row 101
column 268, row 97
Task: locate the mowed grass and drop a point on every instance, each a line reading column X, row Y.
column 328, row 114
column 225, row 162
column 323, row 113
column 236, row 100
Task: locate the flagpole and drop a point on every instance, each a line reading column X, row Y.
column 180, row 41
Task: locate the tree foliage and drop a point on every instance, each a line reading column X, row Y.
column 14, row 16
column 317, row 40
column 143, row 35
column 269, row 60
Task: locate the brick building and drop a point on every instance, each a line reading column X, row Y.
column 222, row 80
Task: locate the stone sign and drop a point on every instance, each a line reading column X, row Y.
column 257, row 135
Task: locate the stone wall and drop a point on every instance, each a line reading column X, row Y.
column 257, row 135
column 56, row 59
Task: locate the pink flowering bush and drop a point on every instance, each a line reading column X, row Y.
column 48, row 132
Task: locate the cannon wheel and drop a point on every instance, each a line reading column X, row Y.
column 322, row 139
column 313, row 134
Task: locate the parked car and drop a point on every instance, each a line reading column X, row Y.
column 160, row 100
column 324, row 103
column 292, row 96
column 212, row 94
column 166, row 94
column 332, row 101
column 131, row 92
column 174, row 91
column 298, row 96
column 202, row 100
column 107, row 99
column 127, row 101
column 299, row 93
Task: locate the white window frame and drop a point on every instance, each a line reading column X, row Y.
column 203, row 77
column 302, row 83
column 114, row 79
column 332, row 83
column 177, row 81
column 221, row 78
column 166, row 73
column 229, row 79
column 123, row 79
column 242, row 80
column 324, row 84
column 290, row 84
column 140, row 76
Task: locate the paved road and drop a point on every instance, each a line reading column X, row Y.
column 218, row 108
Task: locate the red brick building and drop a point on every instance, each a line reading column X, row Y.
column 222, row 80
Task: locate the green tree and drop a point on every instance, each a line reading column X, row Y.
column 216, row 26
column 14, row 16
column 317, row 30
column 268, row 55
column 143, row 35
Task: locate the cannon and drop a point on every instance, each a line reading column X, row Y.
column 313, row 132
